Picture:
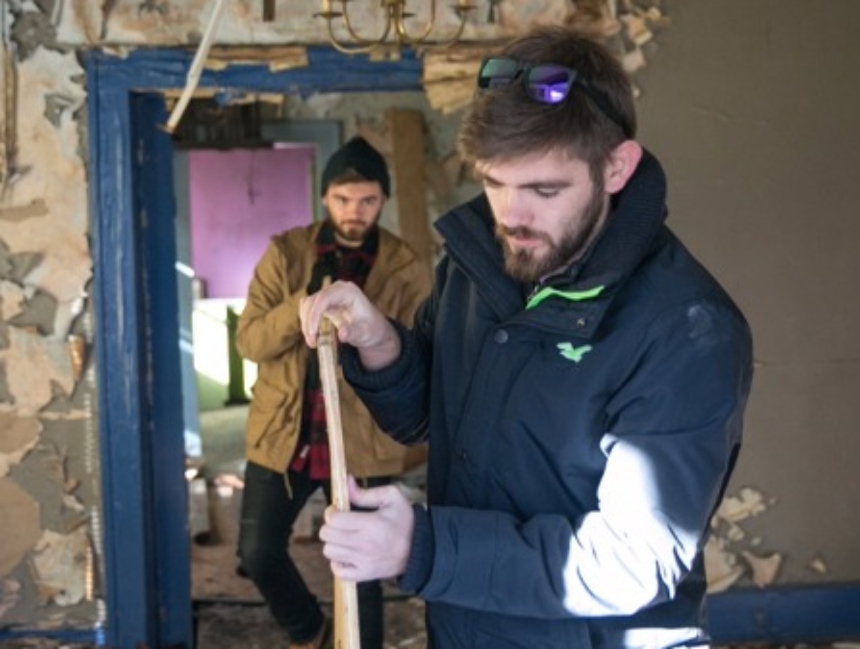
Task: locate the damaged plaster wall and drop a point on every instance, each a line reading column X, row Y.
column 48, row 468
column 752, row 107
column 758, row 133
column 48, row 449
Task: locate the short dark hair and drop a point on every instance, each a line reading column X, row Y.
column 504, row 122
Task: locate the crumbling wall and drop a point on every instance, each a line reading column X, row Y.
column 49, row 472
column 762, row 188
column 48, row 451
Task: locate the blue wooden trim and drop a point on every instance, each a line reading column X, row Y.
column 327, row 71
column 809, row 614
column 165, row 430
column 119, row 348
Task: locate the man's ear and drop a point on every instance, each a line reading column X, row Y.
column 622, row 162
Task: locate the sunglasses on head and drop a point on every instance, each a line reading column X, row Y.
column 546, row 83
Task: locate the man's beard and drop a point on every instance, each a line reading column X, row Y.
column 351, row 233
column 529, row 265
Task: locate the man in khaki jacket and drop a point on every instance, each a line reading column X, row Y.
column 286, row 442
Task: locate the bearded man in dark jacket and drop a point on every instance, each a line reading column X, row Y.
column 580, row 377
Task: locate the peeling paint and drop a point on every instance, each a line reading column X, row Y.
column 721, row 566
column 535, row 12
column 20, row 435
column 80, row 22
column 31, row 30
column 56, row 230
column 726, row 559
column 32, row 363
column 10, row 595
column 12, row 299
column 321, row 104
column 746, row 504
column 60, row 565
column 57, row 104
column 149, row 6
column 16, row 267
column 764, row 569
column 17, row 505
column 37, row 313
column 72, row 414
column 21, row 212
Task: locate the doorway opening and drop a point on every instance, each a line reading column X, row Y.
column 141, row 424
column 241, row 174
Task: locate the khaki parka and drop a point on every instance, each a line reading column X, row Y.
column 269, row 334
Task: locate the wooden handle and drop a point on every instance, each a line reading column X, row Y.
column 346, row 630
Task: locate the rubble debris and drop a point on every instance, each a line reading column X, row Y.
column 721, row 566
column 199, row 524
column 725, row 560
column 764, row 569
column 60, row 564
column 747, row 503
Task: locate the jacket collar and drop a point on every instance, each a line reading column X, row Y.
column 637, row 218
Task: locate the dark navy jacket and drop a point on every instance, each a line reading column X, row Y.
column 580, row 437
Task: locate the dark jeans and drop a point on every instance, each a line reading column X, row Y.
column 268, row 514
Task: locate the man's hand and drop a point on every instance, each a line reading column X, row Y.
column 366, row 545
column 359, row 323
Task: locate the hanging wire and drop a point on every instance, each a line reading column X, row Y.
column 196, row 69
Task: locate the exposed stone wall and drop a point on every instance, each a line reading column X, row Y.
column 48, row 453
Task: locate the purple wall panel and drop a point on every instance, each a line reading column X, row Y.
column 238, row 199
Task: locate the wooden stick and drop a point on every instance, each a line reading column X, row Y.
column 346, row 630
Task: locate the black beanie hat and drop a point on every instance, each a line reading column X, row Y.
column 357, row 154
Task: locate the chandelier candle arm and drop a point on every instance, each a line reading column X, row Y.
column 363, row 42
column 396, row 10
column 395, row 16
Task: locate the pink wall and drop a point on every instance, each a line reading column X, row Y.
column 238, row 199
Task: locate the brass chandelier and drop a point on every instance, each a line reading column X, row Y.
column 396, row 17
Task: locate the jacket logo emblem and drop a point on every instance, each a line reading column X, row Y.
column 572, row 353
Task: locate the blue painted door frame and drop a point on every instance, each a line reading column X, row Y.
column 147, row 573
column 146, row 545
